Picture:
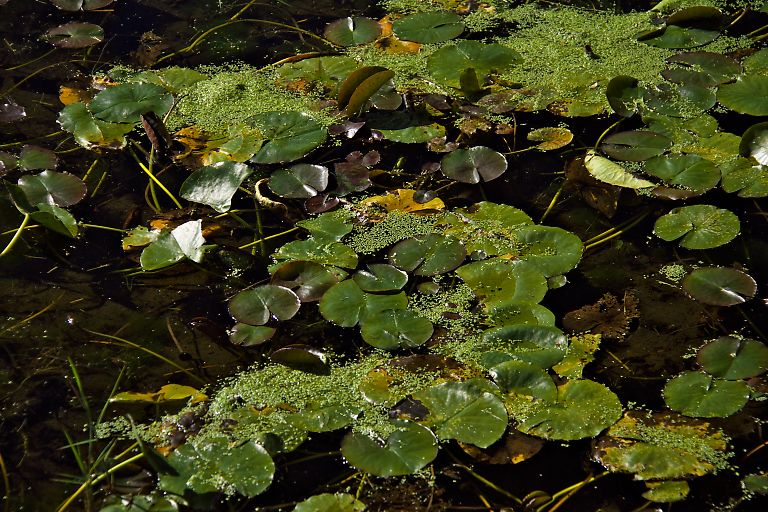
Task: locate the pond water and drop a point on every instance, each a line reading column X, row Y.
column 527, row 273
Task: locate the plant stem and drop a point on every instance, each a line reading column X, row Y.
column 552, row 203
column 92, row 481
column 602, row 135
column 268, row 238
column 16, row 236
column 616, row 231
column 105, row 228
column 148, row 172
column 6, row 485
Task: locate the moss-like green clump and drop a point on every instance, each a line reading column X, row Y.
column 396, row 226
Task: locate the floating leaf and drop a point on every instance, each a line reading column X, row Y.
column 89, row 131
column 700, row 395
column 634, row 145
column 583, row 409
column 185, row 241
column 701, row 226
column 51, row 187
column 394, row 329
column 164, row 394
column 380, row 277
column 75, row 35
column 125, row 103
column 473, row 164
column 339, row 502
column 550, row 139
column 684, row 101
column 498, row 280
column 301, row 181
column 406, row 450
column 552, row 250
column 325, row 418
column 302, row 358
column 404, row 200
column 667, row 491
column 405, row 126
column 747, row 95
column 428, row 27
column 754, row 143
column 465, row 412
column 720, row 286
column 345, row 304
column 706, row 69
column 56, row 219
column 289, row 135
column 327, row 228
column 539, row 345
column 308, row 280
column 756, row 483
column 319, row 251
column 732, row 358
column 360, row 86
column 352, row 31
column 77, row 5
column 690, row 171
column 250, row 335
column 524, row 379
column 447, row 64
column 428, row 255
column 624, row 95
column 34, row 157
column 258, row 305
column 612, row 173
column 215, row 184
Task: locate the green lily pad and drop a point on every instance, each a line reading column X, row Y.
column 56, row 219
column 686, row 100
column 465, row 412
column 325, row 418
column 497, row 280
column 352, row 30
column 339, row 502
column 125, row 103
column 406, row 450
column 428, row 27
column 54, row 188
column 250, row 335
column 75, row 35
column 754, row 143
column 34, row 157
column 473, row 164
column 701, row 395
column 668, row 491
column 289, row 135
column 395, row 328
column 539, row 345
column 319, row 251
column 308, row 280
column 554, row 251
column 302, row 358
column 447, row 64
column 690, row 171
column 258, row 305
column 327, row 228
column 213, row 464
column 380, row 277
column 89, row 131
column 732, row 358
column 624, row 95
column 707, row 69
column 524, row 379
column 720, row 286
column 662, row 446
column 612, row 173
column 346, row 304
column 184, row 242
column 215, row 184
column 635, row 146
column 360, row 86
column 428, row 255
column 756, row 483
column 745, row 178
column 84, row 5
column 327, row 72
column 701, row 226
column 550, row 138
column 301, row 181
column 173, row 79
column 514, row 312
column 583, row 409
column 405, row 126
column 747, row 95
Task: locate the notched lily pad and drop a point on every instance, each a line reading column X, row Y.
column 258, row 305
column 352, row 31
column 289, row 136
column 474, row 164
column 698, row 394
column 52, row 187
column 75, row 35
column 690, row 171
column 734, row 358
column 747, row 95
column 395, row 328
column 428, row 255
column 720, row 286
column 215, row 184
column 701, row 226
column 428, row 27
column 301, row 181
column 539, row 345
column 406, row 450
column 125, row 103
column 326, row 502
column 635, row 146
column 308, row 280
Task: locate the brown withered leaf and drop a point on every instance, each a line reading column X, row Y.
column 598, row 195
column 607, row 316
column 513, row 448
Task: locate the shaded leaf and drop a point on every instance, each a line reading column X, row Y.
column 719, row 286
column 701, row 226
column 428, row 27
column 734, row 358
column 700, row 395
column 473, row 164
column 258, row 305
column 406, row 450
column 75, row 35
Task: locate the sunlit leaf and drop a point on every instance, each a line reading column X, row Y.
column 538, row 345
column 404, row 200
column 346, row 304
column 447, row 64
column 690, row 171
column 300, row 181
column 289, row 135
column 612, row 173
column 428, row 255
column 339, row 502
column 405, row 451
column 215, row 184
column 720, row 286
column 634, row 145
column 747, row 95
column 256, row 306
column 125, row 103
column 52, row 187
column 428, row 27
column 754, row 143
column 734, row 358
column 164, row 394
column 700, row 226
column 352, row 31
column 551, row 138
column 185, row 241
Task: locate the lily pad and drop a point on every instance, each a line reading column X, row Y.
column 302, row 358
column 75, row 35
column 34, row 157
column 552, row 250
column 701, row 226
column 289, row 135
column 301, row 181
column 668, row 491
column 183, row 242
column 258, row 305
column 84, row 5
column 308, row 280
column 624, row 95
column 319, row 251
column 54, row 188
column 406, row 450
column 215, row 184
column 352, row 31
column 428, row 255
column 395, row 328
column 497, row 280
column 747, row 95
column 473, row 164
column 583, row 409
column 346, row 304
column 380, row 277
column 325, row 418
column 125, row 103
column 754, row 143
column 428, row 27
column 250, row 335
column 635, row 146
column 701, row 395
column 720, row 286
column 539, row 345
column 524, row 379
column 447, row 64
column 405, row 126
column 89, row 131
column 339, row 502
column 612, row 173
column 56, row 219
column 465, row 412
column 690, row 171
column 733, row 358
column 360, row 86
column 550, row 138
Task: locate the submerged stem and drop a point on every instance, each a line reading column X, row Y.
column 16, row 236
